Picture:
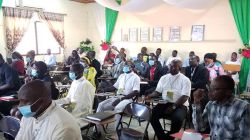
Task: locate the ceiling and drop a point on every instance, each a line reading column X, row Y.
column 84, row 1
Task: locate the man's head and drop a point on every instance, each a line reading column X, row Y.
column 1, row 59
column 158, row 52
column 76, row 71
column 194, row 61
column 174, row 53
column 221, row 88
column 48, row 51
column 140, row 57
column 34, row 97
column 191, row 53
column 39, row 69
column 91, row 55
column 30, row 56
column 234, row 57
column 122, row 50
column 175, row 67
column 16, row 56
column 74, row 53
column 144, row 50
column 85, row 62
column 208, row 58
column 128, row 67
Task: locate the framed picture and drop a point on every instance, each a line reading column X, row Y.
column 197, row 33
column 133, row 34
column 175, row 33
column 144, row 34
column 124, row 35
column 157, row 34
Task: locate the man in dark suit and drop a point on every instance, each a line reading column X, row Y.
column 95, row 63
column 199, row 77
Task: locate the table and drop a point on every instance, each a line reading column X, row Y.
column 245, row 95
column 180, row 134
column 106, row 94
column 59, row 72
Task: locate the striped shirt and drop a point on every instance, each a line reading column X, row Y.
column 230, row 121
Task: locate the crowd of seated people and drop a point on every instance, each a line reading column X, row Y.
column 200, row 87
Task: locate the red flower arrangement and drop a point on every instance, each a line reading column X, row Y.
column 105, row 45
column 245, row 51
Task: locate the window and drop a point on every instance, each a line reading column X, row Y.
column 38, row 37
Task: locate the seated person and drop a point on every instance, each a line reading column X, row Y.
column 197, row 74
column 18, row 63
column 127, row 85
column 116, row 70
column 214, row 70
column 186, row 61
column 227, row 116
column 74, row 58
column 89, row 71
column 141, row 65
column 234, row 61
column 9, row 80
column 152, row 76
column 121, row 53
column 144, row 53
column 95, row 63
column 30, row 59
column 81, row 94
column 50, row 59
column 160, row 58
column 43, row 119
column 173, row 57
column 110, row 56
column 176, row 87
column 40, row 71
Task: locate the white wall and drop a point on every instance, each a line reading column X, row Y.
column 220, row 30
column 74, row 24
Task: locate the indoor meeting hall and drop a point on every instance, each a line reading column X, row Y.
column 124, row 69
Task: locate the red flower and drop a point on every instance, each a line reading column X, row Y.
column 246, row 53
column 105, row 46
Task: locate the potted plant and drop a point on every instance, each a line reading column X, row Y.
column 86, row 46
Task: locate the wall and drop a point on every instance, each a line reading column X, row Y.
column 221, row 34
column 74, row 25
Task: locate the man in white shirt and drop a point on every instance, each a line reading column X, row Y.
column 50, row 59
column 173, row 57
column 175, row 88
column 160, row 58
column 128, row 87
column 42, row 118
column 81, row 94
column 234, row 61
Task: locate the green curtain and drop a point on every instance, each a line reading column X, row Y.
column 1, row 1
column 111, row 16
column 241, row 13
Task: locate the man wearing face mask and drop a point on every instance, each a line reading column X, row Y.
column 175, row 88
column 81, row 93
column 42, row 118
column 30, row 59
column 127, row 86
column 39, row 71
column 140, row 65
column 116, row 70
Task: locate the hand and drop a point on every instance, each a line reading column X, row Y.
column 198, row 96
column 99, row 90
column 116, row 102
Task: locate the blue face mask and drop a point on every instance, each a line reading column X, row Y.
column 34, row 73
column 117, row 61
column 72, row 75
column 126, row 69
column 151, row 62
column 28, row 59
column 26, row 110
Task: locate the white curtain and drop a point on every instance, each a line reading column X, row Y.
column 100, row 20
column 192, row 4
column 130, row 6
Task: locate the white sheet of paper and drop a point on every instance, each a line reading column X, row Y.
column 191, row 136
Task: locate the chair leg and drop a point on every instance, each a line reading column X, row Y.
column 104, row 129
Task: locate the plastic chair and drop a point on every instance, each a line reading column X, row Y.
column 136, row 110
column 9, row 125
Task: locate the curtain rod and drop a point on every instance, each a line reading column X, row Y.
column 35, row 9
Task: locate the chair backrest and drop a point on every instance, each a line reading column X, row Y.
column 231, row 67
column 138, row 110
column 10, row 125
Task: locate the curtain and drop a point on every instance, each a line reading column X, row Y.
column 111, row 17
column 241, row 13
column 55, row 23
column 1, row 1
column 16, row 22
